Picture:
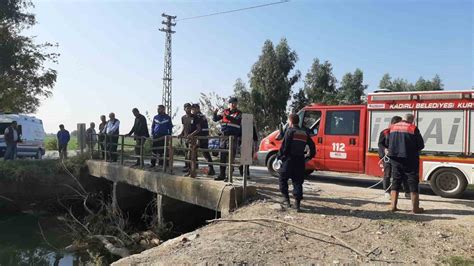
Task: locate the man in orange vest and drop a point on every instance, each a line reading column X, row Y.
column 231, row 119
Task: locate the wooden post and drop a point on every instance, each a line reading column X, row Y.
column 122, row 141
column 81, row 136
column 171, row 158
column 142, row 140
column 193, row 157
column 165, row 154
column 231, row 158
column 105, row 147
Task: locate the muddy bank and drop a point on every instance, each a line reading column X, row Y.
column 356, row 215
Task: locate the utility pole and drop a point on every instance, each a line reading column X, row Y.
column 168, row 22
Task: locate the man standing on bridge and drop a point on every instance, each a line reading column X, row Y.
column 103, row 123
column 201, row 129
column 140, row 131
column 292, row 155
column 160, row 127
column 404, row 145
column 186, row 120
column 231, row 119
column 112, row 131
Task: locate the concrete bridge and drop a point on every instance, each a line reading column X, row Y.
column 204, row 192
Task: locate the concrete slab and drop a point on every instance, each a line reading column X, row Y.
column 214, row 195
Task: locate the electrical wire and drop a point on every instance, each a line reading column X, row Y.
column 234, row 10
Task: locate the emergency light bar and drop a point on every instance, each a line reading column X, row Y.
column 444, row 96
column 400, row 97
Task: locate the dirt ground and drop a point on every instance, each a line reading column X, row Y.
column 337, row 205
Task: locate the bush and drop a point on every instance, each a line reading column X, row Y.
column 24, row 170
column 51, row 144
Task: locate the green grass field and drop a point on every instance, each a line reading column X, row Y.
column 50, row 143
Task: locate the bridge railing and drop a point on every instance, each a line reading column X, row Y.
column 122, row 148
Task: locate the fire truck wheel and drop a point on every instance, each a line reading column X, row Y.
column 448, row 183
column 308, row 172
column 270, row 161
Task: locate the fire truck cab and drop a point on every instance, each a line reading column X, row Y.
column 346, row 136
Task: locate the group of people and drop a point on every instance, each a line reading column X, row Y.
column 399, row 148
column 194, row 124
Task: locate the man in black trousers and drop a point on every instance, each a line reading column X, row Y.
column 140, row 131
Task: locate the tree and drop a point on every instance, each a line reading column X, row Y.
column 299, row 101
column 400, row 84
column 24, row 79
column 244, row 96
column 352, row 88
column 271, row 82
column 429, row 85
column 386, row 82
column 320, row 83
column 210, row 102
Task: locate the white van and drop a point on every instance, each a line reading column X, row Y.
column 31, row 131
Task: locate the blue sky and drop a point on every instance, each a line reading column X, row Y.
column 112, row 52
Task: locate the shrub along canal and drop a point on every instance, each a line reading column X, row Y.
column 56, row 214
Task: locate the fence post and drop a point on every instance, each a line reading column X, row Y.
column 193, row 157
column 105, row 147
column 142, row 140
column 165, row 154
column 122, row 141
column 231, row 158
column 171, row 158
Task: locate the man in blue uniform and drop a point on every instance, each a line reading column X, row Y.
column 404, row 145
column 387, row 168
column 201, row 129
column 230, row 118
column 160, row 127
column 292, row 155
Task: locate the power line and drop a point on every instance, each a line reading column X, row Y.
column 234, row 10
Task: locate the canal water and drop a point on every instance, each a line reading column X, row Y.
column 21, row 241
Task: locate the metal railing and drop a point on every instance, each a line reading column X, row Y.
column 118, row 148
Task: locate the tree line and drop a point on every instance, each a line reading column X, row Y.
column 270, row 94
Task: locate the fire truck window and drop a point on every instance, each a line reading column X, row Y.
column 311, row 121
column 342, row 123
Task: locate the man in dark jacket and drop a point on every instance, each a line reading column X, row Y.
column 292, row 155
column 404, row 145
column 201, row 128
column 387, row 169
column 12, row 137
column 160, row 127
column 103, row 123
column 63, row 139
column 140, row 132
column 231, row 119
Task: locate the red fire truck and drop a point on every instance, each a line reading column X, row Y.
column 346, row 136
